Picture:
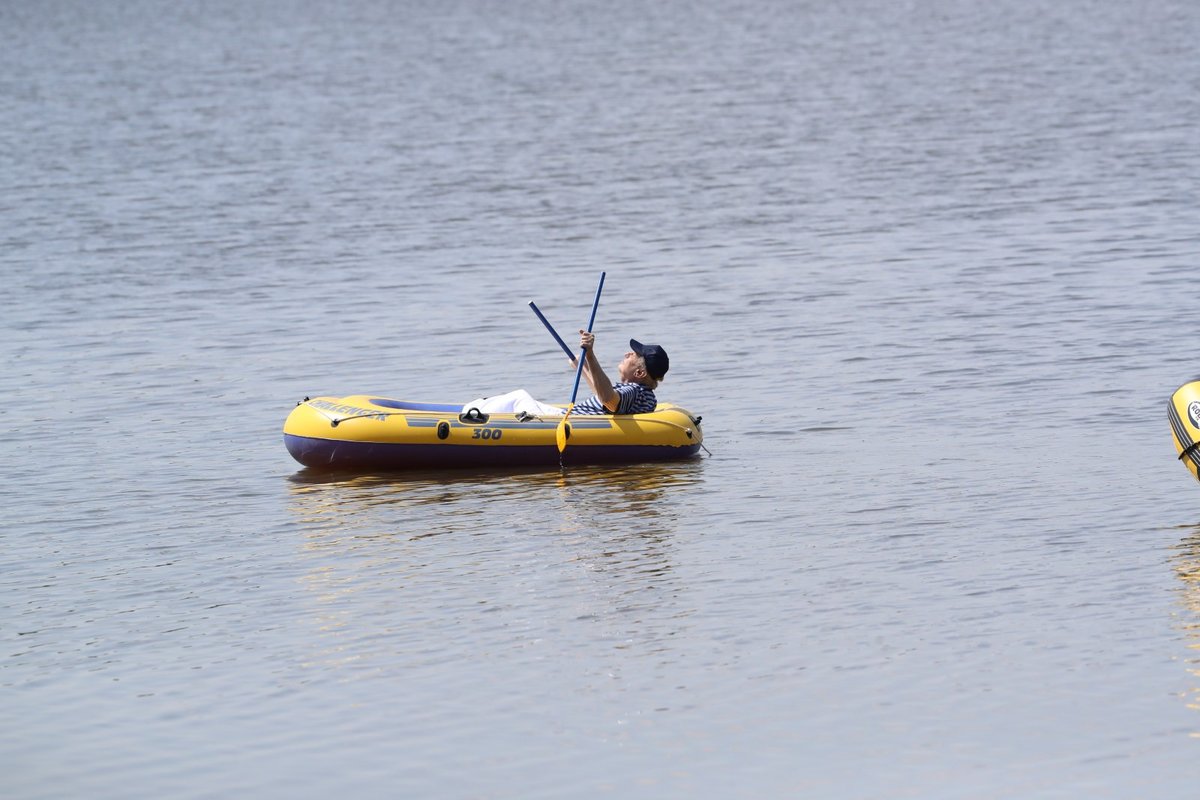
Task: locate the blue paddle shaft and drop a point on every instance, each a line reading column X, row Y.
column 582, row 352
column 553, row 332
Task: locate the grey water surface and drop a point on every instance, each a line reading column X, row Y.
column 925, row 268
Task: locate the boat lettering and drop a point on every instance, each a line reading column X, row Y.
column 347, row 411
column 487, row 433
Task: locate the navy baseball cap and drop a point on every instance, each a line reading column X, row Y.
column 655, row 357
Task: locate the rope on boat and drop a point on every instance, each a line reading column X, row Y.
column 683, row 428
column 335, row 421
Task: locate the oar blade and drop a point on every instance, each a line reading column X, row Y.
column 563, row 431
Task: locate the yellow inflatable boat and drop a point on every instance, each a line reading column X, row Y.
column 367, row 432
column 1184, row 412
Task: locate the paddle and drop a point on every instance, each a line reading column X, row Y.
column 562, row 432
column 553, row 332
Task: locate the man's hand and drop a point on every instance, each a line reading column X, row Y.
column 586, row 340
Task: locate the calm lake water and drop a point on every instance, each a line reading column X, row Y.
column 924, row 268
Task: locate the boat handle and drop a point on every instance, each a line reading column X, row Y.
column 473, row 416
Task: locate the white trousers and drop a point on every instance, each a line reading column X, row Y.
column 514, row 403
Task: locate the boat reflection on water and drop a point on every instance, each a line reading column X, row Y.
column 1186, row 560
column 391, row 554
column 601, row 493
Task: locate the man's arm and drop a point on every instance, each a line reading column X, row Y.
column 601, row 386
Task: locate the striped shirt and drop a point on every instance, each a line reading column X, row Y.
column 635, row 399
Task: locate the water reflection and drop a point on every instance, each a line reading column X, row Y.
column 490, row 560
column 581, row 495
column 1187, row 566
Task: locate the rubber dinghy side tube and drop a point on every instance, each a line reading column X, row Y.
column 1183, row 412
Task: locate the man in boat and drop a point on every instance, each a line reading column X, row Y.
column 639, row 373
column 643, row 366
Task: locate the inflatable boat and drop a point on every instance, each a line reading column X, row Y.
column 378, row 433
column 1183, row 411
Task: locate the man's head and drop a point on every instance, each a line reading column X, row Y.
column 644, row 361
